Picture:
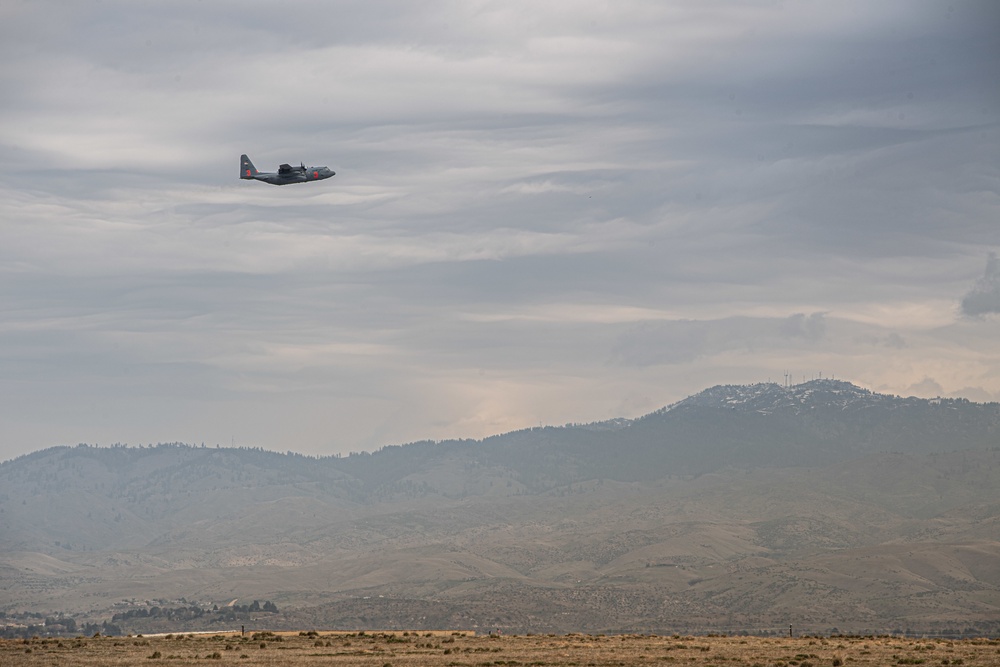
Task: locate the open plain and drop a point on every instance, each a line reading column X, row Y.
column 444, row 649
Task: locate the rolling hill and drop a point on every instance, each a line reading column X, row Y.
column 740, row 508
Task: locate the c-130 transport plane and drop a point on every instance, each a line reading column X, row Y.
column 286, row 173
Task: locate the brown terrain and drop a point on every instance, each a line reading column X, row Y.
column 420, row 649
column 744, row 509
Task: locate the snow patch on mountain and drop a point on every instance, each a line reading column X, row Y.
column 771, row 398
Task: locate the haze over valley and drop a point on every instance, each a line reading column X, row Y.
column 741, row 508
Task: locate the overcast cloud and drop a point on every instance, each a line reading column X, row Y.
column 543, row 212
column 985, row 296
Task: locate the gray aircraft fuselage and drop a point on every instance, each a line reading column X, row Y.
column 286, row 173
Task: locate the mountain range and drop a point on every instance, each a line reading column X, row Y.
column 741, row 508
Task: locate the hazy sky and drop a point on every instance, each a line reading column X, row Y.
column 544, row 212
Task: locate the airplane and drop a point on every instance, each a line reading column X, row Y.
column 286, row 173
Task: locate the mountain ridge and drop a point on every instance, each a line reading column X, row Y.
column 740, row 506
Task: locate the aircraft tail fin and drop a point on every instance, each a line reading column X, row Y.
column 247, row 170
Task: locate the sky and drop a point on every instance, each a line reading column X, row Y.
column 544, row 212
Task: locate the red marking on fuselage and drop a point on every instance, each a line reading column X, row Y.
column 315, row 174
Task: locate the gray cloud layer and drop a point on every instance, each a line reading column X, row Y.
column 555, row 212
column 985, row 296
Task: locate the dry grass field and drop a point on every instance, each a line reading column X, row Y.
column 466, row 650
